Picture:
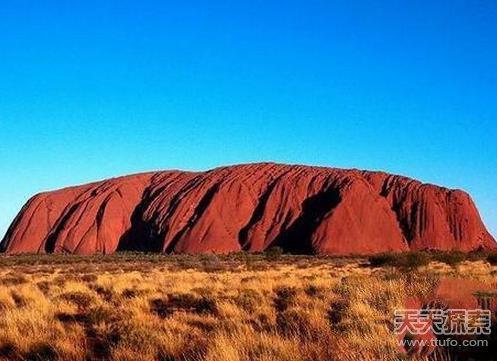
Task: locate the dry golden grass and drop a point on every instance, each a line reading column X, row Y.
column 237, row 308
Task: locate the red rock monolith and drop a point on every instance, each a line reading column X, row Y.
column 252, row 207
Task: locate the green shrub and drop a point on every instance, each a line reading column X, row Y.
column 450, row 258
column 408, row 260
column 211, row 263
column 414, row 259
column 477, row 255
column 384, row 259
column 273, row 253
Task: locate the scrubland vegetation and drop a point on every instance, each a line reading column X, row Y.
column 239, row 307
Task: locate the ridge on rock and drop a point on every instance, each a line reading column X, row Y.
column 250, row 207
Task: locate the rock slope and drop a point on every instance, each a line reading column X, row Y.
column 249, row 207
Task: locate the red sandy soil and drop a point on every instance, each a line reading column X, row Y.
column 250, row 207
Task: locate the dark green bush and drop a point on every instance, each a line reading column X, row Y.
column 477, row 255
column 450, row 258
column 273, row 253
column 384, row 259
column 414, row 259
column 408, row 260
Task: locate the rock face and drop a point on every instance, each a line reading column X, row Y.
column 249, row 207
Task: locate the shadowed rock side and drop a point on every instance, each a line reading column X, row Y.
column 249, row 207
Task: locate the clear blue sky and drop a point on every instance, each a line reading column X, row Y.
column 93, row 89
